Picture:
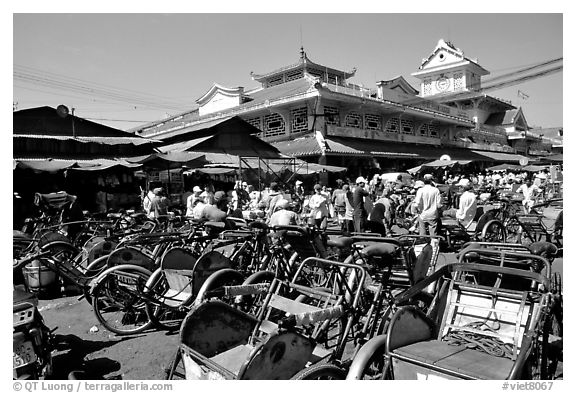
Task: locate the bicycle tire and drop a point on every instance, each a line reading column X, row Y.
column 120, row 309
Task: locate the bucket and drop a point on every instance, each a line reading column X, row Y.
column 39, row 278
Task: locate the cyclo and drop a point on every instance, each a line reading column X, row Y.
column 157, row 289
column 384, row 263
column 490, row 319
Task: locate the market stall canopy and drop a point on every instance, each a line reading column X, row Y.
column 45, row 132
column 505, row 167
column 55, row 165
column 534, row 168
column 229, row 135
column 439, row 164
column 553, row 159
column 170, row 160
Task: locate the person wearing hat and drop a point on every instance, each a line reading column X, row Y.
column 275, row 195
column 467, row 206
column 359, row 214
column 283, row 216
column 191, row 201
column 159, row 205
column 339, row 202
column 428, row 204
column 319, row 208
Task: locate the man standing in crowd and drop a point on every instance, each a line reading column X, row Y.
column 191, row 201
column 467, row 207
column 319, row 208
column 339, row 202
column 359, row 214
column 530, row 192
column 429, row 203
column 283, row 216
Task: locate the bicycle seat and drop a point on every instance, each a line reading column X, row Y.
column 341, row 242
column 544, row 249
column 380, row 249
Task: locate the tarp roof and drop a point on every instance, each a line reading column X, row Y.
column 55, row 165
column 44, row 132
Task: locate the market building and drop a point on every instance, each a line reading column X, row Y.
column 311, row 111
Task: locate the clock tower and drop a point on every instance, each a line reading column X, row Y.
column 448, row 71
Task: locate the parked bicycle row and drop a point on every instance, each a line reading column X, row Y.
column 268, row 299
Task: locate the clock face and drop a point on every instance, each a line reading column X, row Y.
column 442, row 83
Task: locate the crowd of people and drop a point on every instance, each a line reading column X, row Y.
column 362, row 205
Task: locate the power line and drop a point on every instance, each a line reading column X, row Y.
column 70, row 84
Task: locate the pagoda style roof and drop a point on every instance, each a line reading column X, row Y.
column 398, row 83
column 465, row 96
column 303, row 63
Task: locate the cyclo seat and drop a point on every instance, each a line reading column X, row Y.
column 341, row 242
column 258, row 225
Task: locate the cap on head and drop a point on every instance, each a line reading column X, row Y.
column 360, row 180
column 317, row 187
column 196, row 189
column 298, row 182
column 418, row 184
column 158, row 191
column 463, row 182
column 428, row 176
column 219, row 195
column 282, row 204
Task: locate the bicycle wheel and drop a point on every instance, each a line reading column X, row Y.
column 321, row 372
column 162, row 317
column 513, row 230
column 118, row 303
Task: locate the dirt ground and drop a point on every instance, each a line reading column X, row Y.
column 103, row 355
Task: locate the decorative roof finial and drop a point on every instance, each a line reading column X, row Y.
column 302, row 53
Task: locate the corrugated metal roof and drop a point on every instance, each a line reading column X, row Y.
column 105, row 140
column 305, row 146
column 498, row 156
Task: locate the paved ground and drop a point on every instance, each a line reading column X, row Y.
column 103, row 355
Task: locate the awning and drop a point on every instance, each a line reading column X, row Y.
column 505, row 167
column 55, row 165
column 499, row 156
column 439, row 164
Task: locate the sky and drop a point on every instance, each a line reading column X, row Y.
column 154, row 65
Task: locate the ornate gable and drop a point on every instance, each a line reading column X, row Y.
column 219, row 97
column 445, row 53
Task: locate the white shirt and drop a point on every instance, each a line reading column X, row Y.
column 467, row 208
column 428, row 201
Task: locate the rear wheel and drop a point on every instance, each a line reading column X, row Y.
column 513, row 230
column 494, row 232
column 118, row 303
column 321, row 372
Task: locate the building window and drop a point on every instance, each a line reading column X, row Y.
column 316, row 73
column 427, row 87
column 256, row 122
column 407, row 127
column 423, row 130
column 273, row 125
column 458, row 81
column 294, row 75
column 372, row 122
column 354, row 120
column 433, row 130
column 331, row 115
column 299, row 118
column 393, row 125
column 275, row 81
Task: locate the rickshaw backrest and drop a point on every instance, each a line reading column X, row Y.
column 281, row 356
column 132, row 256
column 422, row 264
column 502, row 314
column 208, row 263
column 214, row 326
column 483, row 220
column 304, row 244
column 178, row 258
